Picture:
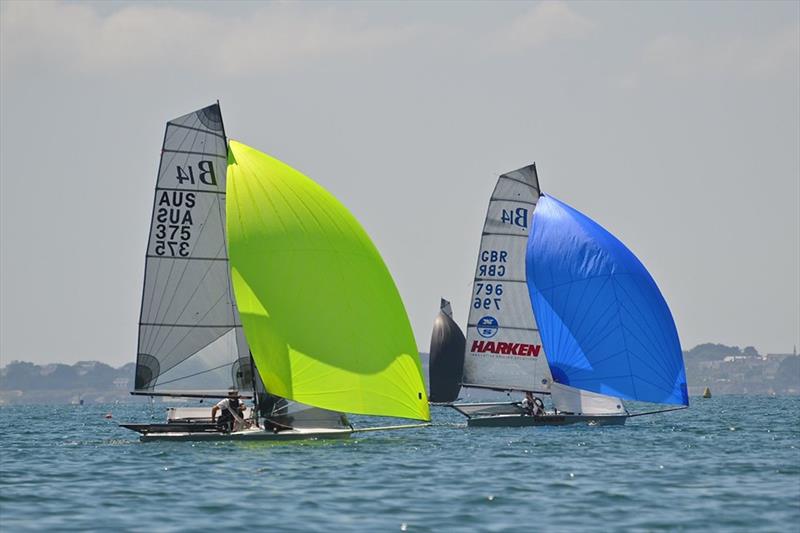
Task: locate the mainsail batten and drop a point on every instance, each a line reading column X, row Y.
column 503, row 347
column 322, row 316
column 188, row 318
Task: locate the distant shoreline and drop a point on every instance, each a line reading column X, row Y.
column 726, row 370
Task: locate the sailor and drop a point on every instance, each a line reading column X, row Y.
column 533, row 406
column 231, row 411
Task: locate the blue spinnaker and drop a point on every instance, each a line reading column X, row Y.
column 605, row 325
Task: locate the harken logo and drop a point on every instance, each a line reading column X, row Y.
column 506, row 348
column 487, row 327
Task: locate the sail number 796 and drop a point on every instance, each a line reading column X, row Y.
column 488, row 296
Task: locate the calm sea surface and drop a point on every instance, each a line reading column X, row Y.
column 728, row 463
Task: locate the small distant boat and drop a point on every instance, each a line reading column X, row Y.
column 561, row 307
column 259, row 282
column 707, row 393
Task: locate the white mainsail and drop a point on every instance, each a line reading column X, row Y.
column 504, row 349
column 190, row 335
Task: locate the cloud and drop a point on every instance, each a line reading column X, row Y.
column 544, row 23
column 271, row 36
column 740, row 56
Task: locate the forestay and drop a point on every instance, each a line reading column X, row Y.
column 604, row 321
column 189, row 331
column 503, row 346
column 322, row 315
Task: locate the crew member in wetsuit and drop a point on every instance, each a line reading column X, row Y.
column 533, row 406
column 227, row 407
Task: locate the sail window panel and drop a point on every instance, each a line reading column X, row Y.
column 208, row 368
column 299, row 415
column 187, row 293
column 171, row 346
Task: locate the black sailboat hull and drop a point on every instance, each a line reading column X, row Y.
column 173, row 427
column 546, row 420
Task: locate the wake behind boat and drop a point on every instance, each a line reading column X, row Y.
column 258, row 280
column 560, row 307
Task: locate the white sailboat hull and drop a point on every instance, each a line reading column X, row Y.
column 254, row 434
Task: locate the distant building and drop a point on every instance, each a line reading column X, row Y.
column 732, row 358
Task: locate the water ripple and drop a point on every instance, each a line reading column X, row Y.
column 727, row 463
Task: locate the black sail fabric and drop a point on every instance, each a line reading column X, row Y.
column 447, row 357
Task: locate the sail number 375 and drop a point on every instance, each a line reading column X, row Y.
column 174, row 214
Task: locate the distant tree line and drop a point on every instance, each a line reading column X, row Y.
column 90, row 375
column 726, row 369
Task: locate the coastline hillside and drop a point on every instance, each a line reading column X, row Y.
column 90, row 381
column 724, row 369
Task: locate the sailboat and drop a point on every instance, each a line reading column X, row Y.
column 259, row 282
column 446, row 357
column 560, row 307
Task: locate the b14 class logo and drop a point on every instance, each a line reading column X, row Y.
column 487, row 327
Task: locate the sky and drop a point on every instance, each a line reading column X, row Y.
column 674, row 125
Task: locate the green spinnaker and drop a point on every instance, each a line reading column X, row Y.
column 321, row 313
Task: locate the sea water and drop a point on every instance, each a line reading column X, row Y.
column 727, row 463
